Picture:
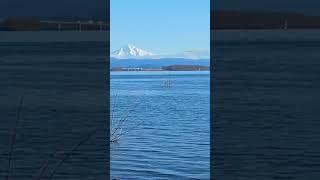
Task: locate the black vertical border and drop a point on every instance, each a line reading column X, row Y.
column 107, row 83
column 212, row 90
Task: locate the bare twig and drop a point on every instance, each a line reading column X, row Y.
column 121, row 122
column 13, row 137
column 67, row 155
column 119, row 135
column 118, row 131
column 113, row 107
column 45, row 165
column 123, row 119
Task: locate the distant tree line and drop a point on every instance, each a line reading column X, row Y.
column 34, row 24
column 165, row 68
column 186, row 68
column 262, row 20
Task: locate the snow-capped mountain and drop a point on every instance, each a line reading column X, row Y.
column 131, row 56
column 130, row 51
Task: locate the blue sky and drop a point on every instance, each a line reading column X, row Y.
column 160, row 26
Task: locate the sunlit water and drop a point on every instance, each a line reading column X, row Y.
column 167, row 118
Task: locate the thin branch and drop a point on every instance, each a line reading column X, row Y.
column 45, row 165
column 67, row 155
column 123, row 119
column 113, row 107
column 128, row 130
column 118, row 131
column 13, row 137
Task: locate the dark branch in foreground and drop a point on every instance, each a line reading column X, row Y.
column 13, row 137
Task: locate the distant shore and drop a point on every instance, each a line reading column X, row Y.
column 262, row 20
column 35, row 24
column 165, row 68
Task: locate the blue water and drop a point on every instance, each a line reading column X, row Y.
column 266, row 108
column 168, row 123
column 63, row 85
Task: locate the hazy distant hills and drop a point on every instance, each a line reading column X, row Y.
column 156, row 63
column 262, row 20
column 130, row 56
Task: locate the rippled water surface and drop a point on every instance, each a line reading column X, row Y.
column 166, row 123
column 266, row 122
column 63, row 86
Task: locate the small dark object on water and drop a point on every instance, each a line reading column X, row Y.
column 167, row 83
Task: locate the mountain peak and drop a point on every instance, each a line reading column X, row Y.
column 130, row 45
column 130, row 51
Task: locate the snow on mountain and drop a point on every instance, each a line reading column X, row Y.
column 130, row 51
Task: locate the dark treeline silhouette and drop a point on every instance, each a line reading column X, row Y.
column 262, row 20
column 186, row 68
column 35, row 24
